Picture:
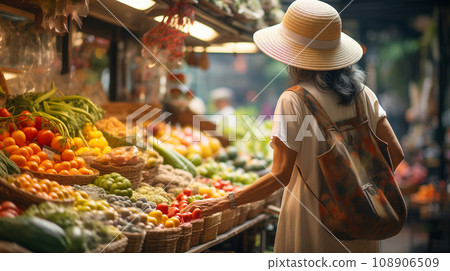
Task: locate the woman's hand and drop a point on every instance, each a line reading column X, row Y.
column 208, row 206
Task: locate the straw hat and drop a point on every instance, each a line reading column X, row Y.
column 309, row 37
column 221, row 93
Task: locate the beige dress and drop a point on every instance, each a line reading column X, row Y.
column 299, row 228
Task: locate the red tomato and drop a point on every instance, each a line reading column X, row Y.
column 225, row 183
column 24, row 121
column 173, row 211
column 4, row 113
column 228, row 188
column 187, row 216
column 45, row 137
column 174, row 203
column 30, row 132
column 163, row 207
column 196, row 214
column 11, row 127
column 8, row 205
column 183, row 205
column 181, row 197
column 205, row 196
column 218, row 185
column 38, row 123
column 187, row 191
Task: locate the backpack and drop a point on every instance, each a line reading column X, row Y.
column 359, row 197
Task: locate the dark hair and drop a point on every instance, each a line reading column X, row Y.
column 346, row 82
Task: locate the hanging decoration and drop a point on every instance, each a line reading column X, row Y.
column 56, row 13
column 164, row 43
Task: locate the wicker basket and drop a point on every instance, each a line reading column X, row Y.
column 197, row 228
column 64, row 179
column 131, row 172
column 149, row 174
column 184, row 242
column 237, row 214
column 256, row 208
column 160, row 241
column 24, row 199
column 212, row 220
column 135, row 241
column 243, row 214
column 227, row 220
column 210, row 228
column 118, row 246
column 8, row 247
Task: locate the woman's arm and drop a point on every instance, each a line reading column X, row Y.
column 385, row 133
column 283, row 164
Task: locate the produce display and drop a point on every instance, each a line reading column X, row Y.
column 65, row 136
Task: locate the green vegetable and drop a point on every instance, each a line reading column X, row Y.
column 172, row 157
column 35, row 234
column 76, row 236
column 115, row 183
column 8, row 166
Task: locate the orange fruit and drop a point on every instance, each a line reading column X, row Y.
column 12, row 148
column 85, row 171
column 47, row 164
column 23, row 152
column 67, row 155
column 73, row 164
column 31, row 190
column 51, row 171
column 64, row 172
column 29, row 150
column 33, row 165
column 42, row 155
column 80, row 162
column 2, row 145
column 74, row 171
column 41, row 170
column 20, row 160
column 65, row 165
column 44, row 188
column 53, row 195
column 56, row 143
column 57, row 158
column 9, row 141
column 35, row 158
column 55, row 184
column 19, row 137
column 47, row 184
column 35, row 147
column 26, row 167
column 57, row 167
column 4, row 135
column 37, row 187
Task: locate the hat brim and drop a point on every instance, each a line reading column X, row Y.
column 275, row 45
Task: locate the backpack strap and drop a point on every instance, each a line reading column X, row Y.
column 316, row 110
column 361, row 112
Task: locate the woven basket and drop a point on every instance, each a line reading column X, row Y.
column 197, row 228
column 64, row 179
column 161, row 241
column 209, row 234
column 149, row 174
column 24, row 199
column 227, row 220
column 135, row 241
column 184, row 242
column 7, row 247
column 236, row 217
column 131, row 172
column 212, row 220
column 243, row 213
column 118, row 246
column 256, row 208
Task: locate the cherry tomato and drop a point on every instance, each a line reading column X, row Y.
column 173, row 211
column 174, row 204
column 181, row 197
column 4, row 113
column 218, row 185
column 163, row 207
column 25, row 121
column 45, row 137
column 38, row 123
column 187, row 216
column 187, row 191
column 31, row 133
column 183, row 205
column 196, row 214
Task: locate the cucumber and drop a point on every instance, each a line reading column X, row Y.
column 189, row 165
column 173, row 158
column 35, row 234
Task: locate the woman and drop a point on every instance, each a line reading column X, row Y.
column 322, row 60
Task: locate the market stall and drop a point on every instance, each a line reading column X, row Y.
column 83, row 172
